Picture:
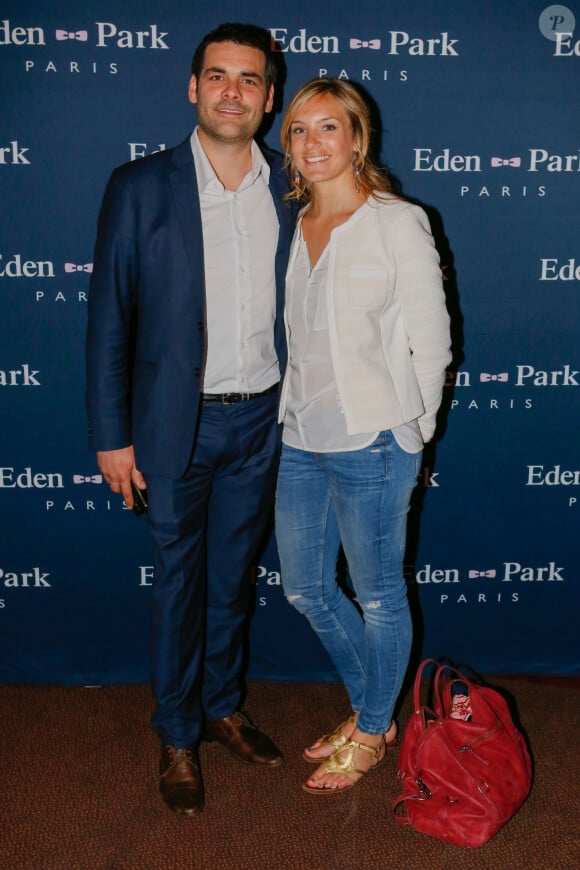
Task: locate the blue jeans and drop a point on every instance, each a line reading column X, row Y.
column 360, row 499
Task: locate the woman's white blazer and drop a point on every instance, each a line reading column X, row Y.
column 387, row 319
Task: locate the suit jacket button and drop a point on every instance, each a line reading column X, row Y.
column 197, row 372
column 200, row 325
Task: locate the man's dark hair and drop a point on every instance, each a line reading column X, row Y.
column 242, row 34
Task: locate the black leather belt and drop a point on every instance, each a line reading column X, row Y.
column 234, row 398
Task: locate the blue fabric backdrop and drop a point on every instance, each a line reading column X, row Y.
column 478, row 120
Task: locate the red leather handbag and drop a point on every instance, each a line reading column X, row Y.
column 463, row 765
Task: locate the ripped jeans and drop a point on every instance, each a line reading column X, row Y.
column 359, row 499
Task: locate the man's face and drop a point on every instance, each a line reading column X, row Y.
column 231, row 92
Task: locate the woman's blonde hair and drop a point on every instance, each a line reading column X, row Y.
column 371, row 178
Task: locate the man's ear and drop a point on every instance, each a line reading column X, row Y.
column 269, row 100
column 192, row 90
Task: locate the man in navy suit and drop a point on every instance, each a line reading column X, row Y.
column 185, row 350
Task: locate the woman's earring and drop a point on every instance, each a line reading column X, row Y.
column 356, row 170
column 296, row 178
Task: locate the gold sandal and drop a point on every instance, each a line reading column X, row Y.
column 345, row 765
column 336, row 738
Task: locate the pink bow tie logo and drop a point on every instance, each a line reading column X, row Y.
column 502, row 377
column 371, row 43
column 72, row 267
column 474, row 574
column 510, row 161
column 80, row 35
column 92, row 478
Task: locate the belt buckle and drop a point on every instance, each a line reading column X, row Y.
column 225, row 400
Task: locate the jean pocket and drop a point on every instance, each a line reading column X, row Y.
column 409, row 464
column 379, row 441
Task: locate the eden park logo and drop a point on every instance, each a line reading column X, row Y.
column 537, row 160
column 510, row 571
column 108, row 34
column 33, row 579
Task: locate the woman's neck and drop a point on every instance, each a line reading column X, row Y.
column 330, row 200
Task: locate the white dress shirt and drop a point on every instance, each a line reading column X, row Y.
column 240, row 237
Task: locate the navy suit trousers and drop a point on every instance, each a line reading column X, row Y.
column 206, row 528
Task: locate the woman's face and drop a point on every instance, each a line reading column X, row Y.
column 321, row 141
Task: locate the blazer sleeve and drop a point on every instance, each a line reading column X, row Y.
column 419, row 288
column 111, row 319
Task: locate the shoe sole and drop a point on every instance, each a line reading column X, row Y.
column 187, row 815
column 184, row 814
column 265, row 765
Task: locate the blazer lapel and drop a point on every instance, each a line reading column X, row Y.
column 286, row 216
column 279, row 187
column 186, row 197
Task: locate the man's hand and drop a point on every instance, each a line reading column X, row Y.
column 118, row 469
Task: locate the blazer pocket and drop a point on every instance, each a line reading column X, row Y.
column 366, row 287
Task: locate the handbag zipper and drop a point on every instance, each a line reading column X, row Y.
column 469, row 746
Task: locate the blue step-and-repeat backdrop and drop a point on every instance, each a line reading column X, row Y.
column 478, row 105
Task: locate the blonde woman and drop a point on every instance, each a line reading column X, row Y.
column 368, row 336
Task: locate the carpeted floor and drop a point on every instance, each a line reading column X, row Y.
column 79, row 790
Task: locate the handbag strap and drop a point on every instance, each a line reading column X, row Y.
column 403, row 820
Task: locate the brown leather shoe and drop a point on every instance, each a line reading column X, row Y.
column 243, row 740
column 180, row 783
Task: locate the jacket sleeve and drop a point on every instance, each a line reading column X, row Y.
column 111, row 318
column 419, row 289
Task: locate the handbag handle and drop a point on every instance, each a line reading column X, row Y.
column 417, row 687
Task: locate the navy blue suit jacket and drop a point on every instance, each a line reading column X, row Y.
column 146, row 339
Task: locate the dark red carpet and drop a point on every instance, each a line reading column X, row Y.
column 79, row 789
